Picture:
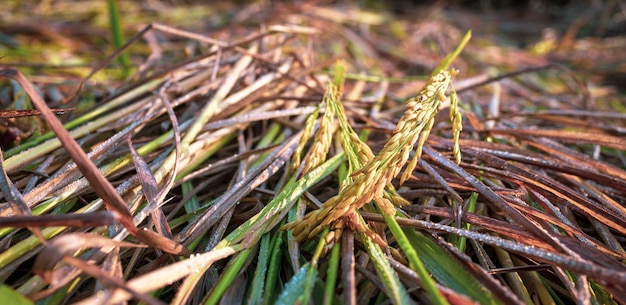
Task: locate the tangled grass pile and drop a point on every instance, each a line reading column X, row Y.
column 263, row 165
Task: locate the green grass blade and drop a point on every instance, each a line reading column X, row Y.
column 22, row 247
column 192, row 204
column 13, row 297
column 227, row 277
column 446, row 270
column 273, row 269
column 311, row 275
column 260, row 273
column 602, row 296
column 259, row 223
column 283, row 200
column 331, row 274
column 115, row 23
column 39, row 146
column 415, row 262
column 460, row 242
column 293, row 289
column 395, row 290
column 445, row 63
column 60, row 295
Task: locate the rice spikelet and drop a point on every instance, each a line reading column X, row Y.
column 324, row 136
column 307, row 133
column 370, row 181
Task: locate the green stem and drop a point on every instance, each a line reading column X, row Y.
column 414, row 261
column 331, row 275
column 227, row 277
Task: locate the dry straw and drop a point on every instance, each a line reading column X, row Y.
column 370, row 181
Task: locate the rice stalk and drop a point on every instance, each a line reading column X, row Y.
column 370, row 181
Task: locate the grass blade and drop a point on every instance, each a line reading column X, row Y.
column 255, row 295
column 7, row 293
column 445, row 63
column 292, row 294
column 389, row 278
column 446, row 269
column 115, row 23
column 234, row 267
column 414, row 261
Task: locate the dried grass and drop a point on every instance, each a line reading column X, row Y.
column 224, row 134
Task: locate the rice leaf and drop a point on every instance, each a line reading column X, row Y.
column 446, row 270
column 13, row 297
column 299, row 282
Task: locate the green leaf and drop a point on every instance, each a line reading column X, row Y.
column 414, row 261
column 282, row 201
column 227, row 277
column 459, row 241
column 296, row 285
column 192, row 204
column 273, row 269
column 256, row 288
column 601, row 295
column 331, row 274
column 446, row 270
column 115, row 22
column 10, row 296
column 389, row 278
column 445, row 63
